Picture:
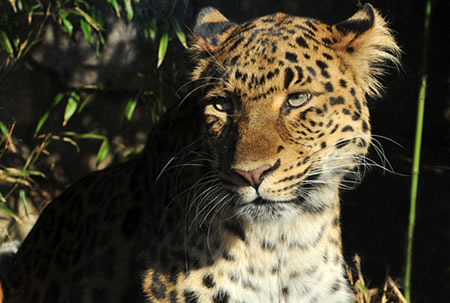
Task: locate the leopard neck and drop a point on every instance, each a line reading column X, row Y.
column 305, row 230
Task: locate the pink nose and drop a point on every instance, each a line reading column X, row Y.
column 255, row 177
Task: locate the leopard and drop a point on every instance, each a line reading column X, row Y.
column 236, row 196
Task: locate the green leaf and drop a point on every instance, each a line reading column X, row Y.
column 101, row 39
column 362, row 287
column 44, row 117
column 57, row 99
column 23, row 198
column 71, row 107
column 103, row 151
column 115, row 6
column 85, row 136
column 8, row 211
column 13, row 4
column 67, row 25
column 41, row 123
column 152, row 30
column 163, row 42
column 87, row 31
column 30, row 11
column 180, row 35
column 129, row 9
column 100, row 43
column 5, row 43
column 4, row 129
column 131, row 106
column 2, row 198
column 28, row 172
column 83, row 104
column 89, row 19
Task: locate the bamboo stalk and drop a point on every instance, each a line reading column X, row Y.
column 416, row 159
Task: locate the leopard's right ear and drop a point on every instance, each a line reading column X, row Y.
column 210, row 30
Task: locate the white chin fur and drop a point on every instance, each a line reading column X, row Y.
column 317, row 199
column 247, row 194
column 253, row 212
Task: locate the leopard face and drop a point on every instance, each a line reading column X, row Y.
column 284, row 101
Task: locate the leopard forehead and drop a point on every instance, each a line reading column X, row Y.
column 271, row 54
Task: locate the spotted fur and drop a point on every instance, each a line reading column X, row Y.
column 243, row 202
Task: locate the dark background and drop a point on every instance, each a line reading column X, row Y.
column 375, row 215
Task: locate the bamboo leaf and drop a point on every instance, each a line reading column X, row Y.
column 88, row 19
column 4, row 129
column 131, row 106
column 129, row 9
column 2, row 198
column 13, row 4
column 44, row 117
column 152, row 30
column 101, row 39
column 10, row 212
column 362, row 287
column 5, row 43
column 163, row 42
column 85, row 136
column 72, row 142
column 180, row 35
column 67, row 25
column 103, row 151
column 16, row 181
column 13, row 172
column 87, row 31
column 28, row 172
column 41, row 123
column 57, row 99
column 83, row 104
column 71, row 107
column 23, row 198
column 100, row 43
column 115, row 6
column 30, row 11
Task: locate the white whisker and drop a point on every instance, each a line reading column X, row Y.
column 193, row 91
column 195, row 80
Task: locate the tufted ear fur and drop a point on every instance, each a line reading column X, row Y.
column 367, row 45
column 211, row 28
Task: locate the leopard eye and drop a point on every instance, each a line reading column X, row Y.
column 298, row 99
column 222, row 105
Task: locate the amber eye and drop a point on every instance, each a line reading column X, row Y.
column 298, row 99
column 222, row 105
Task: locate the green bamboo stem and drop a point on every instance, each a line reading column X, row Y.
column 414, row 185
column 416, row 159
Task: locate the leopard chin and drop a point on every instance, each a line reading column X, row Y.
column 253, row 205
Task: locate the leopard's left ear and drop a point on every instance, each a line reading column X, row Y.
column 367, row 46
column 210, row 30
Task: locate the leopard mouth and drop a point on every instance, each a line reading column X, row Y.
column 264, row 202
column 259, row 202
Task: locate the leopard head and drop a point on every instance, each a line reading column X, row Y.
column 284, row 103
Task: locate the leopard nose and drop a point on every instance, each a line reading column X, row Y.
column 256, row 176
